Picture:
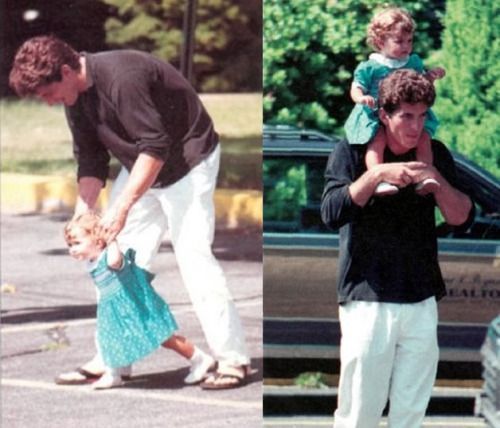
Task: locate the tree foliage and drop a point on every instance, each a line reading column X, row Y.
column 285, row 186
column 467, row 102
column 310, row 52
column 227, row 51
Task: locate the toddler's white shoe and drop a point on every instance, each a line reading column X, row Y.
column 427, row 186
column 108, row 380
column 386, row 189
column 201, row 363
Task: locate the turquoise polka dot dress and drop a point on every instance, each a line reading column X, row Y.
column 132, row 319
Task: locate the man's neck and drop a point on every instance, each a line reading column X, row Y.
column 394, row 145
column 83, row 81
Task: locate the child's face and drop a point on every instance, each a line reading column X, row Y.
column 83, row 246
column 397, row 44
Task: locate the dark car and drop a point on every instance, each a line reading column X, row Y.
column 300, row 255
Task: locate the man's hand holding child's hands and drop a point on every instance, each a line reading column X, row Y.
column 401, row 174
column 406, row 173
column 112, row 224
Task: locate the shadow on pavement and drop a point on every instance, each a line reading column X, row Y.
column 174, row 379
column 48, row 314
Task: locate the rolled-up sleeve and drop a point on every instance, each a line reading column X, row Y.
column 337, row 206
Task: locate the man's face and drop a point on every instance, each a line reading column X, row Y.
column 405, row 126
column 63, row 92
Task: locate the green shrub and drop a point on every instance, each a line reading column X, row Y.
column 467, row 102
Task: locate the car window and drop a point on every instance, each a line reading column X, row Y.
column 292, row 193
column 485, row 226
column 484, row 191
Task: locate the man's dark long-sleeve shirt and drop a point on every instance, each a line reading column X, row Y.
column 138, row 104
column 388, row 249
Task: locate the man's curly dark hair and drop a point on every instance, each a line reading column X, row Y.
column 405, row 86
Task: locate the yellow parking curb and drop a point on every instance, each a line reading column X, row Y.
column 236, row 208
column 21, row 193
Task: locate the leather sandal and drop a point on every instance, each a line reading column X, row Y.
column 79, row 376
column 227, row 378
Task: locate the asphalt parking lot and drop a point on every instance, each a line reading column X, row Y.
column 48, row 310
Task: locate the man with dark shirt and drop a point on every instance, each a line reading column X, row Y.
column 389, row 278
column 142, row 111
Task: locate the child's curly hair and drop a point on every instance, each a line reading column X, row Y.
column 387, row 20
column 89, row 223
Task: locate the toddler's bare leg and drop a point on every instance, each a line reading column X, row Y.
column 201, row 363
column 424, row 154
column 375, row 156
column 375, row 151
column 180, row 344
column 424, row 149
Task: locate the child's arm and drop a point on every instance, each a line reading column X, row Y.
column 359, row 97
column 114, row 256
column 435, row 73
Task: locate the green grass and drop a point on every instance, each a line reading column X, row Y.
column 34, row 138
column 236, row 116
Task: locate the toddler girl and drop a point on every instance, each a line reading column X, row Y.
column 390, row 33
column 132, row 319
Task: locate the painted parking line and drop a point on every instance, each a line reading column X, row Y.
column 443, row 422
column 134, row 394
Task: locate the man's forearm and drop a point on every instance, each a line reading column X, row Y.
column 88, row 192
column 453, row 204
column 362, row 189
column 142, row 176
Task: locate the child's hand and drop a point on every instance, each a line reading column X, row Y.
column 115, row 256
column 367, row 100
column 436, row 73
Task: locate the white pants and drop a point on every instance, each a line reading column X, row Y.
column 387, row 351
column 187, row 208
